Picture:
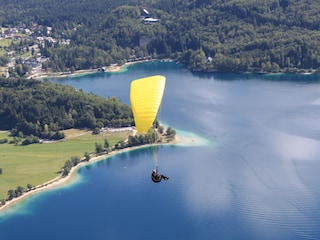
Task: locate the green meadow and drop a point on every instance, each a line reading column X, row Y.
column 5, row 43
column 38, row 163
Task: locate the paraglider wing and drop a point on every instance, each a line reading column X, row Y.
column 145, row 97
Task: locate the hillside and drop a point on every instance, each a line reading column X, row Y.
column 42, row 108
column 219, row 35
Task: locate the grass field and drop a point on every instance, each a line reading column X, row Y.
column 3, row 44
column 37, row 163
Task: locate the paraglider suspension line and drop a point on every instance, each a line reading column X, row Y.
column 155, row 152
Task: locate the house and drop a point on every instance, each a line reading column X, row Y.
column 146, row 18
column 144, row 13
column 150, row 20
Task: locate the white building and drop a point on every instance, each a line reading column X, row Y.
column 150, row 20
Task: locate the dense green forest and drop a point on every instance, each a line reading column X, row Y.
column 206, row 35
column 42, row 109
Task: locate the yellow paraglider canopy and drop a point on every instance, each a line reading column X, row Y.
column 145, row 97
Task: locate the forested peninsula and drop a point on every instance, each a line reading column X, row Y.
column 205, row 35
column 42, row 109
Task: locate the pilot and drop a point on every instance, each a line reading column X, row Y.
column 157, row 177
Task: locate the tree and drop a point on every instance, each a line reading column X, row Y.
column 19, row 191
column 58, row 135
column 87, row 156
column 1, row 171
column 197, row 60
column 133, row 141
column 11, row 194
column 67, row 168
column 19, row 70
column 99, row 148
column 75, row 161
column 160, row 129
column 106, row 144
column 120, row 145
column 30, row 140
column 29, row 186
column 96, row 131
column 170, row 132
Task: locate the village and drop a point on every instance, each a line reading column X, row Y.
column 22, row 45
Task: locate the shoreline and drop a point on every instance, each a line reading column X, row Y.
column 113, row 68
column 60, row 181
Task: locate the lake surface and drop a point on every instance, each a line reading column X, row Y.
column 251, row 170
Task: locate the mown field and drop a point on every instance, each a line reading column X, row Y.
column 37, row 163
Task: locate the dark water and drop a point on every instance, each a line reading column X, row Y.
column 251, row 170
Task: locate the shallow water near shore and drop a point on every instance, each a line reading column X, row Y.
column 249, row 168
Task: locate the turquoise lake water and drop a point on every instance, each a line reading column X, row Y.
column 250, row 171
